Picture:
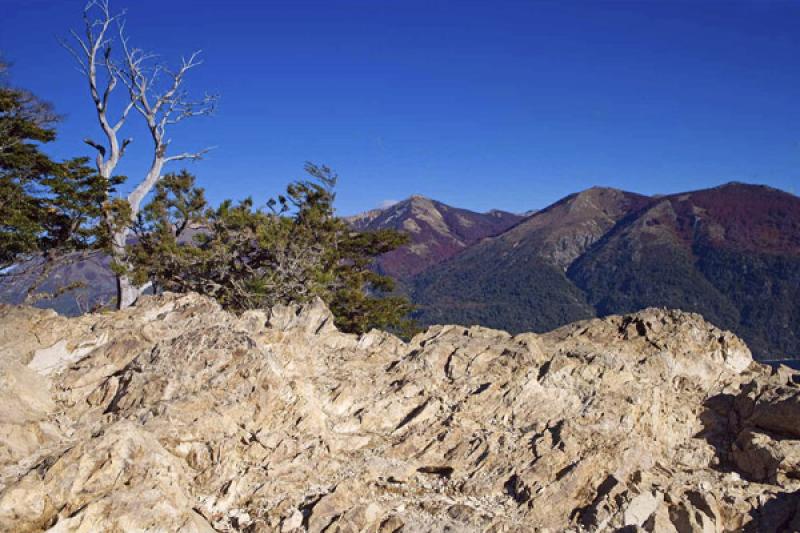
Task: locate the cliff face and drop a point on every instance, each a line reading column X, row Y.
column 175, row 415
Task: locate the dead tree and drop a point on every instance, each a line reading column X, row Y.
column 155, row 92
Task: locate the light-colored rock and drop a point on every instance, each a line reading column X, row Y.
column 58, row 356
column 641, row 508
column 178, row 416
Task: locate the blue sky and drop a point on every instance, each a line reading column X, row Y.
column 479, row 104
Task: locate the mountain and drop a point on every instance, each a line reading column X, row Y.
column 566, row 229
column 175, row 415
column 517, row 280
column 437, row 231
column 731, row 253
column 89, row 272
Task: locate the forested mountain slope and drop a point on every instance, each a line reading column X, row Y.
column 731, row 253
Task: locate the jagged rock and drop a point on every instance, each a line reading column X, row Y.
column 767, row 425
column 175, row 415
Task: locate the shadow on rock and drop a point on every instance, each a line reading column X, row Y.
column 778, row 515
column 716, row 420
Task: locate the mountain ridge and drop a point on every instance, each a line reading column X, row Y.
column 438, row 231
column 710, row 251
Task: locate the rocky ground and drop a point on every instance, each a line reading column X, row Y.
column 177, row 416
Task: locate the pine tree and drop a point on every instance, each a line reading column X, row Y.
column 25, row 124
column 292, row 250
column 48, row 210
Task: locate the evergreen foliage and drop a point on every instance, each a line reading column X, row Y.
column 246, row 257
column 765, row 288
column 25, row 123
column 47, row 209
column 493, row 291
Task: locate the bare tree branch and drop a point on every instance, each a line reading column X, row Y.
column 154, row 91
column 189, row 156
column 99, row 147
column 93, row 51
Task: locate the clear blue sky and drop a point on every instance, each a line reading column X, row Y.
column 479, row 104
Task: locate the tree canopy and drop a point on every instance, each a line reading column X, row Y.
column 292, row 249
column 47, row 208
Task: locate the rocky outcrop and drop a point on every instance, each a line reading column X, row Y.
column 766, row 423
column 177, row 416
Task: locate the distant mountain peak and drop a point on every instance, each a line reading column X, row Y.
column 744, row 186
column 600, row 189
column 501, row 213
column 437, row 231
column 418, row 197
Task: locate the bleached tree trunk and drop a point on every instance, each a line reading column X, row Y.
column 156, row 93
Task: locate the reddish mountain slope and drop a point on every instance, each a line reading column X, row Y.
column 731, row 253
column 740, row 217
column 437, row 231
